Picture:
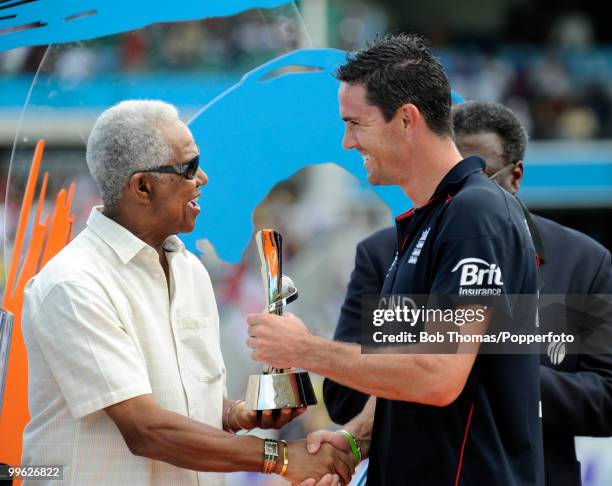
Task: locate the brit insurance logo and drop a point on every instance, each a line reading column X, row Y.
column 478, row 277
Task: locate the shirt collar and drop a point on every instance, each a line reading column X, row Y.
column 456, row 175
column 123, row 242
column 459, row 172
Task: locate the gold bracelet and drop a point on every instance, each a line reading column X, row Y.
column 285, row 458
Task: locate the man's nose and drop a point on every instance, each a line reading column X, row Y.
column 348, row 140
column 201, row 178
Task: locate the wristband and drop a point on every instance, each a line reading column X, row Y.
column 285, row 458
column 355, row 448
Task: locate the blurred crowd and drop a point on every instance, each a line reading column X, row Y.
column 244, row 40
column 562, row 90
column 557, row 94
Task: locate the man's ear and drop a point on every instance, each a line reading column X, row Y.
column 140, row 187
column 409, row 114
column 517, row 175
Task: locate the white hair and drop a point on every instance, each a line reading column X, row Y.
column 127, row 138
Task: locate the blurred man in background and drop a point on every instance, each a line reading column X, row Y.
column 576, row 388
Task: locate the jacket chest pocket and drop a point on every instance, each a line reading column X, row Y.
column 199, row 350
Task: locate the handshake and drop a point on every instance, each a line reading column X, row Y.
column 324, row 458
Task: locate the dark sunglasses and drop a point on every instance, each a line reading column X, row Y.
column 187, row 169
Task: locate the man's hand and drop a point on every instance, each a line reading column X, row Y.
column 338, row 440
column 315, row 439
column 326, row 463
column 242, row 418
column 279, row 341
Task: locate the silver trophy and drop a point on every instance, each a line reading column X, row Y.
column 277, row 388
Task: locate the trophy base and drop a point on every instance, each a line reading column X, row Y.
column 290, row 389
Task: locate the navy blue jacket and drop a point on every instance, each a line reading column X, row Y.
column 466, row 245
column 576, row 392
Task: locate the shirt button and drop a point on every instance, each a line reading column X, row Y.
column 158, row 275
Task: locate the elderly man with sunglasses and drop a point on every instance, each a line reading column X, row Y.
column 126, row 376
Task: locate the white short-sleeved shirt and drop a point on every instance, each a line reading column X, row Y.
column 101, row 326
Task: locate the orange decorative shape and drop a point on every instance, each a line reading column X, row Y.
column 59, row 229
column 46, row 240
column 22, row 224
